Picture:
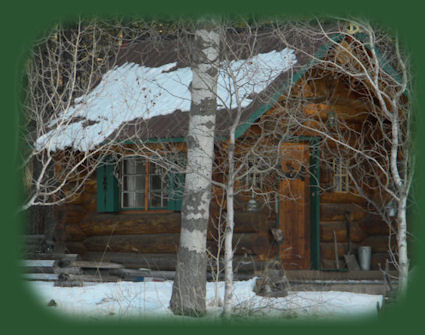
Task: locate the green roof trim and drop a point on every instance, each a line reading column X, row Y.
column 264, row 108
column 387, row 67
column 295, row 77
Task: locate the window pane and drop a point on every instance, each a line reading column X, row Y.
column 139, row 200
column 129, row 166
column 134, row 183
column 155, row 199
column 130, row 183
column 140, row 166
column 155, row 182
column 140, row 183
column 128, row 200
column 134, row 166
column 154, row 169
column 125, row 183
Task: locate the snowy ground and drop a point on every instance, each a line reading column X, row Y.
column 151, row 299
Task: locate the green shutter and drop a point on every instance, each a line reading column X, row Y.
column 176, row 185
column 107, row 189
column 175, row 190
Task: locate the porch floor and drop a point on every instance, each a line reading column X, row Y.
column 368, row 282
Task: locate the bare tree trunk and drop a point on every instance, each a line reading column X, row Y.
column 189, row 288
column 228, row 250
column 403, row 261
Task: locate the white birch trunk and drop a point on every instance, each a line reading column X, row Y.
column 189, row 288
column 228, row 250
column 403, row 261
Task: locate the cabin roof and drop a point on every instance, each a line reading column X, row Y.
column 146, row 95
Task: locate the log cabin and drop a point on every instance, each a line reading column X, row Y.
column 129, row 210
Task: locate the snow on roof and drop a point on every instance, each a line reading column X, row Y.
column 133, row 91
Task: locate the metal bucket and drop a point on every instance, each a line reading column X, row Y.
column 365, row 255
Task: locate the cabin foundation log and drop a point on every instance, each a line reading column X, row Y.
column 131, row 224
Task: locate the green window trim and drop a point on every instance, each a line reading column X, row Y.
column 107, row 189
column 110, row 196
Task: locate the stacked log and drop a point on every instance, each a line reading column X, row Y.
column 145, row 239
column 160, row 233
column 365, row 229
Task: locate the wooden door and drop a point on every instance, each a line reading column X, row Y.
column 294, row 211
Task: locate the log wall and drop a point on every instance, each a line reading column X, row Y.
column 365, row 229
column 127, row 237
column 141, row 239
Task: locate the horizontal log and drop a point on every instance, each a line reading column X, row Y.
column 246, row 243
column 74, row 232
column 340, row 197
column 148, row 243
column 327, row 264
column 327, row 229
column 379, row 243
column 327, row 249
column 73, row 217
column 167, row 262
column 50, row 256
column 86, row 195
column 75, row 247
column 91, row 205
column 379, row 259
column 247, row 222
column 373, row 225
column 335, row 212
column 63, row 277
column 69, row 208
column 88, row 264
column 136, row 260
column 130, row 224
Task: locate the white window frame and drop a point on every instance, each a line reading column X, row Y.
column 340, row 175
column 147, row 189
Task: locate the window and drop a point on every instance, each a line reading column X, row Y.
column 158, row 186
column 340, row 175
column 144, row 184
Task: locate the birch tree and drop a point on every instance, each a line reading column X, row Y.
column 189, row 287
column 247, row 73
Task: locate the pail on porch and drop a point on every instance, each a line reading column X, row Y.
column 365, row 254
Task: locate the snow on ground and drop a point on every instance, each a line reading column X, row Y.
column 133, row 91
column 151, row 299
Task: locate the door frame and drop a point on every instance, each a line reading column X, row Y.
column 314, row 172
